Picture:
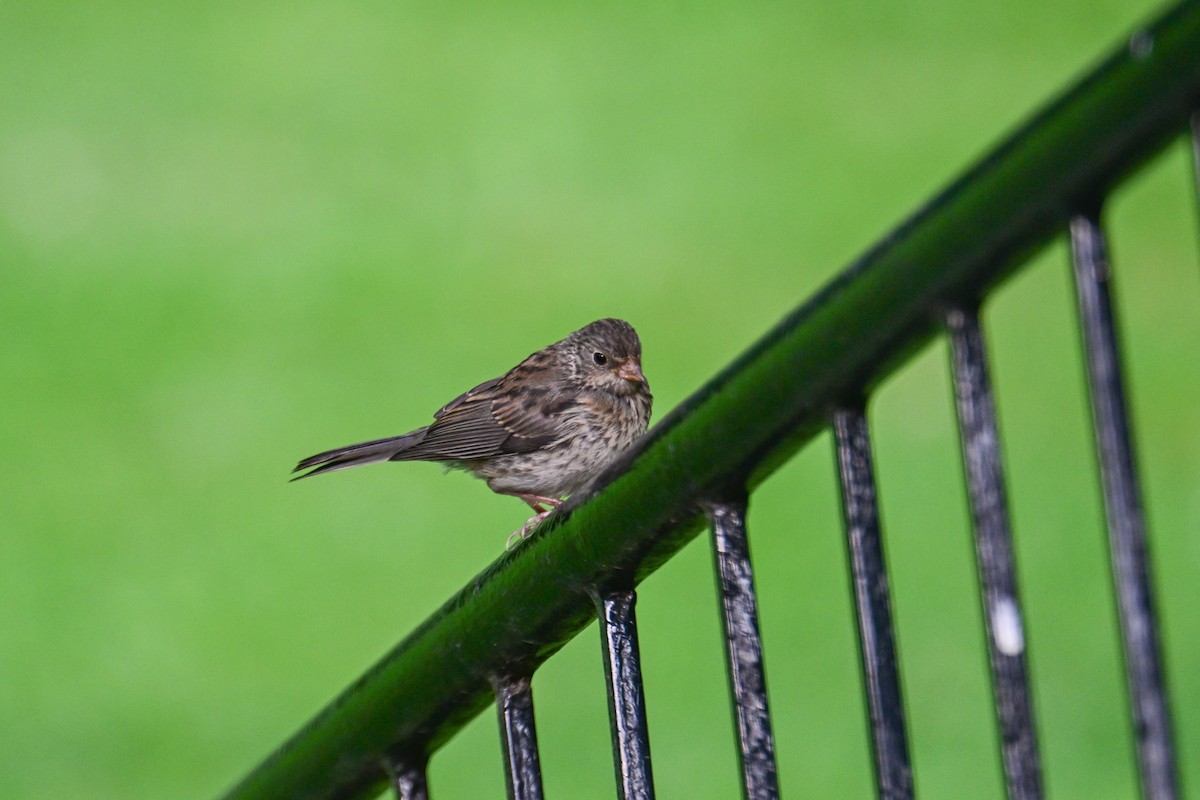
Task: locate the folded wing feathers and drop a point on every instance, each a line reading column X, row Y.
column 465, row 428
column 463, row 437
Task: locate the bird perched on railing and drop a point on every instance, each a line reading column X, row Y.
column 540, row 431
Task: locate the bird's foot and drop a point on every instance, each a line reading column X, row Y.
column 519, row 535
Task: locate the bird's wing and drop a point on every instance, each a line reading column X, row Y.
column 492, row 419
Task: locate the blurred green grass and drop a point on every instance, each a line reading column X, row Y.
column 231, row 236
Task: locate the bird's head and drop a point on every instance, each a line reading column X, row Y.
column 607, row 356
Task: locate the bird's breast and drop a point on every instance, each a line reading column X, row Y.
column 592, row 433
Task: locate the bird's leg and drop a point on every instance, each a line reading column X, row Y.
column 536, row 502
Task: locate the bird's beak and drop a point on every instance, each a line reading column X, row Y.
column 631, row 370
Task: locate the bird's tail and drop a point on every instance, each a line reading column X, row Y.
column 356, row 455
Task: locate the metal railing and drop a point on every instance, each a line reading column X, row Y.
column 814, row 370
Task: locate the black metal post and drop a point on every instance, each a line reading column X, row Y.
column 1123, row 508
column 743, row 650
column 885, row 705
column 626, row 700
column 407, row 779
column 522, row 769
column 996, row 565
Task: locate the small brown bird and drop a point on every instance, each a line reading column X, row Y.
column 539, row 432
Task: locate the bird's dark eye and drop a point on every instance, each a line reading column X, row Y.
column 600, row 359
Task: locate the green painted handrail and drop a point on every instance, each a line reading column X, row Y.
column 748, row 419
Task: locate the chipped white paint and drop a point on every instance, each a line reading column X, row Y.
column 1006, row 627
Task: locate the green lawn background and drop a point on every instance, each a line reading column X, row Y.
column 232, row 235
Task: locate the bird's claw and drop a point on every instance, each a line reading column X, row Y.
column 520, row 534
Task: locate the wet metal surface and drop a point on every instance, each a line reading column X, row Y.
column 518, row 736
column 881, row 676
column 743, row 650
column 996, row 565
column 1123, row 509
column 626, row 702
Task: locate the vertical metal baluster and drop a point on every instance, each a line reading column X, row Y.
column 994, row 555
column 893, row 773
column 626, row 701
column 408, row 779
column 1123, row 508
column 522, row 768
column 743, row 650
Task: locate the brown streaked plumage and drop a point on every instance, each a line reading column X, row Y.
column 539, row 432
